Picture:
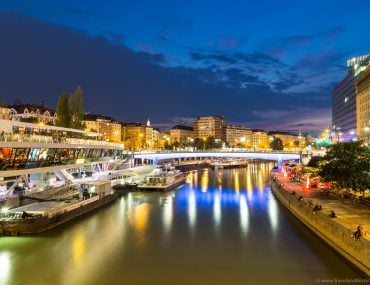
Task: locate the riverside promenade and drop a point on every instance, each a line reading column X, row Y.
column 337, row 232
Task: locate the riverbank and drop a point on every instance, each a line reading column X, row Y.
column 336, row 232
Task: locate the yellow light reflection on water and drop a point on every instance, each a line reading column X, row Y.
column 248, row 183
column 236, row 181
column 79, row 246
column 4, row 267
column 204, row 181
column 244, row 214
column 140, row 215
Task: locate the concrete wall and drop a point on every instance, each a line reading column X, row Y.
column 334, row 234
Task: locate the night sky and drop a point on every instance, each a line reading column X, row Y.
column 264, row 64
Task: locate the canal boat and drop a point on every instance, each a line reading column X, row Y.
column 43, row 215
column 229, row 164
column 163, row 179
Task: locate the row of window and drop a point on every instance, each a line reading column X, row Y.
column 22, row 158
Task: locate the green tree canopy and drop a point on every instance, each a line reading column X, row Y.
column 347, row 165
column 63, row 112
column 276, row 144
column 76, row 106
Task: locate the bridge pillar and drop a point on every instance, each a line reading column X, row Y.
column 279, row 161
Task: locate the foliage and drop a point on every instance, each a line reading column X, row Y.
column 33, row 120
column 76, row 107
column 347, row 165
column 276, row 144
column 70, row 110
column 63, row 112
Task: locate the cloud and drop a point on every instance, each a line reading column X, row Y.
column 304, row 119
column 40, row 60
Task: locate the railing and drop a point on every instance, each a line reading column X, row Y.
column 51, row 140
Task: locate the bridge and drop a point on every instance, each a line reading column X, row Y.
column 155, row 157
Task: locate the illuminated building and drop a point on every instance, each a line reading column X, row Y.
column 363, row 106
column 108, row 127
column 289, row 140
column 138, row 136
column 181, row 134
column 37, row 113
column 238, row 136
column 4, row 111
column 211, row 126
column 260, row 139
column 134, row 135
column 344, row 120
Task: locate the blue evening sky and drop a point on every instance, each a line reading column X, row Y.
column 265, row 64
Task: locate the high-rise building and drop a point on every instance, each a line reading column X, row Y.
column 238, row 136
column 210, row 126
column 363, row 106
column 181, row 134
column 344, row 122
column 108, row 127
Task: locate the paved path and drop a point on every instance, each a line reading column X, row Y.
column 348, row 214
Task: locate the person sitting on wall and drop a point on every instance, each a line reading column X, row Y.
column 358, row 233
column 317, row 207
column 332, row 214
column 24, row 215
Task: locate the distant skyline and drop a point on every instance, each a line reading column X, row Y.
column 261, row 64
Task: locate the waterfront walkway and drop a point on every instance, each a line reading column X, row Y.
column 348, row 214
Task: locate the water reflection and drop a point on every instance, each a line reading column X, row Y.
column 217, row 210
column 4, row 267
column 207, row 225
column 244, row 215
column 192, row 209
column 167, row 216
column 273, row 214
column 79, row 246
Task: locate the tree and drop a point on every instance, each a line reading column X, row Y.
column 276, row 144
column 346, row 165
column 76, row 106
column 63, row 112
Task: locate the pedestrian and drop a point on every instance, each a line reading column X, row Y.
column 358, row 233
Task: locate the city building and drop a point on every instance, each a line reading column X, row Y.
column 290, row 141
column 181, row 134
column 210, row 126
column 260, row 140
column 238, row 136
column 107, row 126
column 4, row 111
column 344, row 122
column 363, row 106
column 134, row 136
column 32, row 113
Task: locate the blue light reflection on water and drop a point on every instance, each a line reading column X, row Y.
column 223, row 190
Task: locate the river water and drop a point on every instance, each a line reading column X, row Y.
column 221, row 227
